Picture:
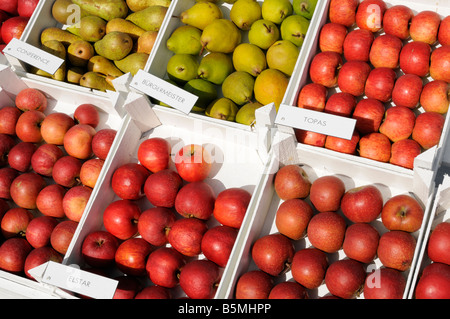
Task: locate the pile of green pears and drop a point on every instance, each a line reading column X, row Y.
column 238, row 61
column 101, row 40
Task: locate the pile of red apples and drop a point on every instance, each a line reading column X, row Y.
column 167, row 233
column 49, row 165
column 333, row 242
column 14, row 16
column 386, row 66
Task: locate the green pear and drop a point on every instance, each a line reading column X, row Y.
column 201, row 14
column 65, row 12
column 105, row 9
column 246, row 114
column 244, row 12
column 95, row 81
column 294, row 29
column 182, row 67
column 132, row 63
column 276, row 10
column 304, row 8
column 263, row 33
column 221, row 35
column 222, row 108
column 249, row 58
column 138, row 5
column 283, row 55
column 63, row 36
column 79, row 53
column 89, row 28
column 123, row 25
column 206, row 92
column 215, row 67
column 103, row 65
column 114, row 45
column 238, row 87
column 149, row 19
column 185, row 40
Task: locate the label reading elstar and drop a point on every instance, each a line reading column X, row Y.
column 319, row 122
column 164, row 91
column 34, row 56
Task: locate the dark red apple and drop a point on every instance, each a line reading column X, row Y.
column 375, row 146
column 153, row 292
column 75, row 201
column 343, row 11
column 7, row 175
column 99, row 248
column 326, row 231
column 407, row 90
column 340, row 103
column 199, row 279
column 385, row 51
column 13, row 28
column 357, row 45
column 161, row 188
column 324, row 68
column 331, row 37
column 19, row 157
column 155, row 223
column 154, row 154
column 396, row 249
column 230, row 206
column 128, row 181
column 288, row 290
column 435, row 96
column 326, row 193
column 217, row 244
column 54, row 127
column 384, row 283
column 402, row 212
column 39, row 256
column 345, row 278
column 15, row 221
column 428, row 129
column 398, row 123
column 87, row 114
column 292, row 181
column 404, row 152
column 102, row 142
column 9, row 7
column 25, row 8
column 31, row 99
column 25, row 189
column 78, row 141
column 361, row 242
column 28, row 126
column 310, row 137
column 8, row 119
column 434, row 282
column 362, row 204
column 62, row 235
column 121, row 217
column 292, row 218
column 45, row 157
column 443, row 32
column 66, row 171
column 50, row 201
column 439, row 63
column 13, row 253
column 369, row 15
column 127, row 287
column 415, row 58
column 6, row 144
column 164, row 265
column 309, row 266
column 254, row 284
column 369, row 114
column 312, row 96
column 186, row 235
column 131, row 256
column 380, row 83
column 396, row 21
column 424, row 26
column 193, row 163
column 352, row 77
column 39, row 230
column 195, row 199
column 343, row 145
column 90, row 171
column 439, row 243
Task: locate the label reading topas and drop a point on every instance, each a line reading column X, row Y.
column 164, row 91
column 36, row 57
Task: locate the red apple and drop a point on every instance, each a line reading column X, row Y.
column 428, row 129
column 231, row 206
column 396, row 21
column 309, row 266
column 343, row 11
column 407, row 90
column 6, row 144
column 310, row 137
column 87, row 114
column 164, row 265
column 25, row 189
column 54, row 127
column 369, row 114
column 8, row 119
column 352, row 77
column 127, row 287
column 128, row 181
column 13, row 28
column 292, row 218
column 398, row 123
column 19, row 157
column 439, row 63
column 186, row 235
column 380, row 83
column 217, row 244
column 361, row 242
column 384, row 283
column 121, row 217
column 78, row 141
column 90, row 171
column 312, row 96
column 434, row 282
column 326, row 231
column 424, row 26
column 161, row 188
column 15, row 221
column 195, row 199
column 28, row 126
column 66, row 171
column 357, row 45
column 443, row 32
column 131, row 256
column 199, row 279
column 325, row 67
column 435, row 96
column 75, row 201
column 375, row 146
column 102, row 142
column 99, row 248
column 415, row 58
column 288, row 290
column 9, row 6
column 155, row 223
column 13, row 253
column 193, row 163
column 50, row 201
column 154, row 154
column 331, row 37
column 340, row 103
column 369, row 15
column 402, row 212
column 39, row 231
column 62, row 235
column 153, row 292
column 345, row 278
column 404, row 152
column 439, row 242
column 292, row 181
column 396, row 249
column 343, row 145
column 44, row 158
column 326, row 193
column 254, row 284
column 362, row 204
column 273, row 253
column 25, row 8
column 7, row 175
column 39, row 256
column 385, row 51
column 31, row 99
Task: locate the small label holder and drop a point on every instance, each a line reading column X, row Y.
column 164, row 91
column 319, row 122
column 34, row 56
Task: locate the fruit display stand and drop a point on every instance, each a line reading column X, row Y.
column 64, row 101
column 287, row 151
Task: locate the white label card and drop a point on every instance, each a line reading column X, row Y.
column 319, row 122
column 33, row 56
column 164, row 91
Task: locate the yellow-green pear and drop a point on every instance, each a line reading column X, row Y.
column 276, row 10
column 263, row 33
column 185, row 39
column 215, row 67
column 201, row 14
column 249, row 58
column 65, row 12
column 294, row 29
column 95, row 81
column 270, row 86
column 246, row 114
column 206, row 92
column 238, row 87
column 149, row 19
column 63, row 36
column 90, row 28
column 182, row 67
column 138, row 5
column 221, row 35
column 244, row 12
column 123, row 25
column 283, row 55
column 74, row 74
column 222, row 108
column 114, row 45
column 105, row 9
column 132, row 63
column 103, row 65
